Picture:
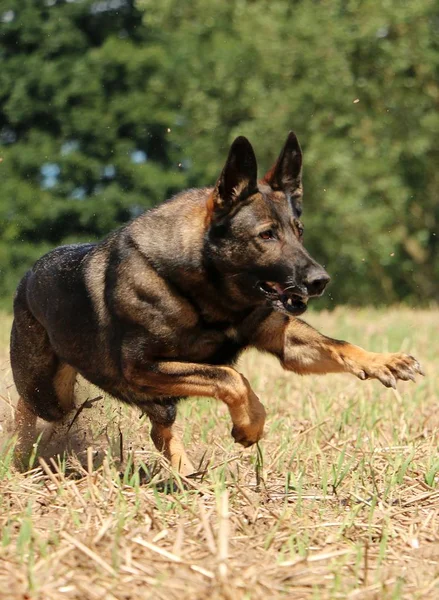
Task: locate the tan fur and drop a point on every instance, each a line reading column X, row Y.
column 167, row 441
column 64, row 384
column 304, row 350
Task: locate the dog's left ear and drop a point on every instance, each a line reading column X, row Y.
column 237, row 180
column 286, row 173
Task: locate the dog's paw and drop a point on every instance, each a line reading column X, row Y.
column 388, row 368
column 245, row 437
column 249, row 432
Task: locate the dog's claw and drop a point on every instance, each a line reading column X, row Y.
column 389, row 368
column 417, row 367
column 388, row 380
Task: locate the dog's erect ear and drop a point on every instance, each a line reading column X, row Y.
column 237, row 180
column 286, row 173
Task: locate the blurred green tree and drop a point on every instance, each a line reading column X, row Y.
column 83, row 126
column 359, row 83
column 107, row 107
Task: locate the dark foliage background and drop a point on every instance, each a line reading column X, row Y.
column 107, row 108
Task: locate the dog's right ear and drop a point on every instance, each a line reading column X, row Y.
column 237, row 180
column 286, row 173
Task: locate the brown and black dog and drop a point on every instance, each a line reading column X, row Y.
column 161, row 309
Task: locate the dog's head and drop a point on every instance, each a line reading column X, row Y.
column 255, row 237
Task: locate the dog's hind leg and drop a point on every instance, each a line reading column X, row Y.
column 162, row 414
column 46, row 391
column 25, row 426
column 45, row 384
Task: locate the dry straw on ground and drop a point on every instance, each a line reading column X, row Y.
column 340, row 501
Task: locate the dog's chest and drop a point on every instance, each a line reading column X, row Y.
column 213, row 343
column 218, row 342
column 227, row 348
column 231, row 338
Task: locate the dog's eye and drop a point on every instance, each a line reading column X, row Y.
column 268, row 234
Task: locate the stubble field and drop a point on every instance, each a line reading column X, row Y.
column 341, row 500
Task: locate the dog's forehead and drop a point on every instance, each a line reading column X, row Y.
column 276, row 202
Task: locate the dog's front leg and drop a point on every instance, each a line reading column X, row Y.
column 304, row 350
column 166, row 440
column 162, row 413
column 176, row 379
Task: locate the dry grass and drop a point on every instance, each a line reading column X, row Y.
column 341, row 502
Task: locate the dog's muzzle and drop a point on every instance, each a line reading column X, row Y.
column 285, row 298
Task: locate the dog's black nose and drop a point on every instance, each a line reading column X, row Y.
column 316, row 281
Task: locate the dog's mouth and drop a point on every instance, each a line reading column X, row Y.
column 284, row 298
